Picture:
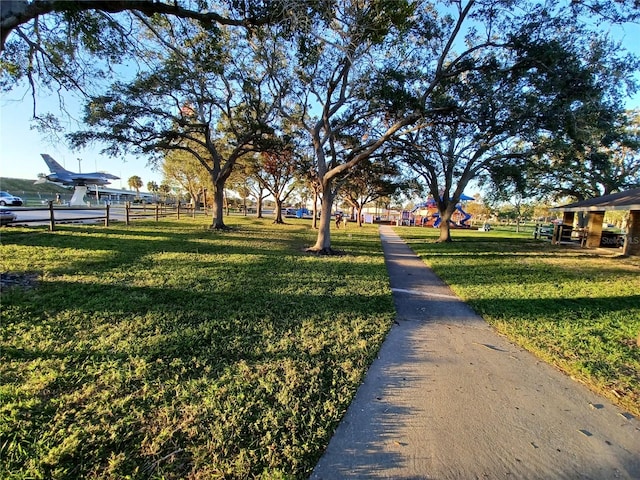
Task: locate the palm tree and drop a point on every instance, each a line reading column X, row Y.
column 135, row 182
column 153, row 188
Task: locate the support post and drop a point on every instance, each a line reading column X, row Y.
column 632, row 240
column 157, row 212
column 594, row 233
column 127, row 207
column 106, row 215
column 568, row 218
column 52, row 220
column 77, row 200
column 556, row 236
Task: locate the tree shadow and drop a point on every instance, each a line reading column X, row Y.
column 100, row 327
column 462, row 395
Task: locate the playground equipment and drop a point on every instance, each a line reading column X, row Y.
column 432, row 217
column 461, row 223
column 302, row 212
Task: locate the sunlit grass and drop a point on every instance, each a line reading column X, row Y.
column 576, row 308
column 171, row 351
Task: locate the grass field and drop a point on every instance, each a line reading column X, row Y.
column 577, row 309
column 168, row 351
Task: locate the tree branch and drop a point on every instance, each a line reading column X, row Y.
column 15, row 13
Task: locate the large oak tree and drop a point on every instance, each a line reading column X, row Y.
column 515, row 84
column 367, row 73
column 201, row 94
column 16, row 15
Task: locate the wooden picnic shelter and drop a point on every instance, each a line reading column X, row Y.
column 596, row 208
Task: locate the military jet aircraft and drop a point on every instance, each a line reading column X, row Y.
column 65, row 177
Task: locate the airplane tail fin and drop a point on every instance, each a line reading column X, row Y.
column 54, row 166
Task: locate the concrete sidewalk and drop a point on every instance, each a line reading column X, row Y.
column 447, row 398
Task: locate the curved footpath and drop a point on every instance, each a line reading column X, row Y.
column 448, row 398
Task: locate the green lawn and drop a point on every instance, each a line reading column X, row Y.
column 576, row 308
column 170, row 351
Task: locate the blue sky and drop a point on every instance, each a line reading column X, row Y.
column 21, row 146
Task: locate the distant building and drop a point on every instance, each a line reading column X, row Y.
column 114, row 195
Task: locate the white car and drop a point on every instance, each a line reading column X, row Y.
column 6, row 216
column 7, row 199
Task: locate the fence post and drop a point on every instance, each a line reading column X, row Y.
column 557, row 232
column 127, row 206
column 157, row 212
column 52, row 220
column 106, row 218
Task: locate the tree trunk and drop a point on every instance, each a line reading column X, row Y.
column 323, row 241
column 445, row 232
column 445, row 228
column 259, row 206
column 218, row 207
column 359, row 213
column 278, row 215
column 315, row 210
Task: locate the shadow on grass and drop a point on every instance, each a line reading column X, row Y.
column 371, row 440
column 503, row 270
column 172, row 347
column 277, row 239
column 496, row 260
column 221, row 345
column 580, row 309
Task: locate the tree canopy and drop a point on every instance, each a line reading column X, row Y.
column 15, row 14
column 200, row 95
column 602, row 158
column 543, row 83
column 508, row 77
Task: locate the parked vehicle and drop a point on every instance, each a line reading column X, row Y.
column 544, row 231
column 6, row 216
column 7, row 199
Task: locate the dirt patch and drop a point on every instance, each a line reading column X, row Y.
column 25, row 281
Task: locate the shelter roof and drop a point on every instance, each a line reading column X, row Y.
column 628, row 200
